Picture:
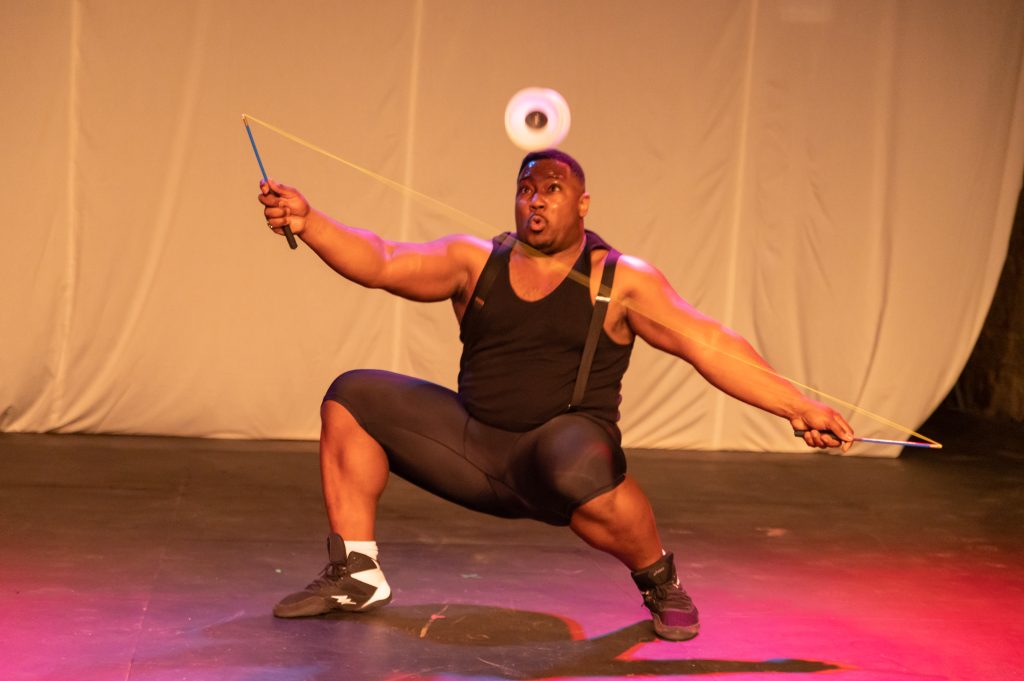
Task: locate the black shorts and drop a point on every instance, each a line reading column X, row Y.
column 431, row 441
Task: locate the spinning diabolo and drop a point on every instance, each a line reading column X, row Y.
column 537, row 118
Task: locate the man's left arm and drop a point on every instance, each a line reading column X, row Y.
column 654, row 311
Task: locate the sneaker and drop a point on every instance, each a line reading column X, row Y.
column 675, row 616
column 352, row 583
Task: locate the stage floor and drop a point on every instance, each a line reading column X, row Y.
column 137, row 558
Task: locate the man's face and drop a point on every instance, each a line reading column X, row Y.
column 550, row 206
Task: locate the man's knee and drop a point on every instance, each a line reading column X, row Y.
column 348, row 447
column 577, row 443
column 336, row 419
column 609, row 503
column 352, row 385
column 578, row 461
column 339, row 421
column 349, row 394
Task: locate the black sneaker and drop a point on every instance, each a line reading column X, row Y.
column 675, row 616
column 354, row 583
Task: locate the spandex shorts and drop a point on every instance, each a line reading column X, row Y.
column 431, row 441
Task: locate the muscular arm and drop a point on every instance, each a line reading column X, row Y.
column 654, row 311
column 438, row 270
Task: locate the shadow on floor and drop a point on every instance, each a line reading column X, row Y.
column 461, row 640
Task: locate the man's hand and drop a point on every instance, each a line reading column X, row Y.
column 817, row 417
column 283, row 205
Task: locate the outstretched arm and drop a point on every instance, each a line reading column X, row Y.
column 656, row 313
column 433, row 271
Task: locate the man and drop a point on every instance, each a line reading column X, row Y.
column 531, row 431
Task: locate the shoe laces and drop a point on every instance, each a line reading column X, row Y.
column 330, row 575
column 669, row 596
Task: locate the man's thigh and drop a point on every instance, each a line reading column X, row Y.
column 422, row 428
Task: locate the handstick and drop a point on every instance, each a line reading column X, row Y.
column 287, row 230
column 901, row 443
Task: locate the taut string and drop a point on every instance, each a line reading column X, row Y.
column 581, row 279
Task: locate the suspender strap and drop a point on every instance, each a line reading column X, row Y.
column 604, row 293
column 502, row 244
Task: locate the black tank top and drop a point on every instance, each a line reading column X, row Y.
column 520, row 358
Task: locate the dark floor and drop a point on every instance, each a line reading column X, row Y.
column 160, row 558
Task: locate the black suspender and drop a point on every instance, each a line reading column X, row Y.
column 604, row 293
column 503, row 243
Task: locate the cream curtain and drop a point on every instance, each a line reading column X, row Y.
column 835, row 180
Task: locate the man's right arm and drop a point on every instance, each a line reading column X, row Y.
column 651, row 308
column 434, row 271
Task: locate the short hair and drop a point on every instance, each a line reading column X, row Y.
column 555, row 155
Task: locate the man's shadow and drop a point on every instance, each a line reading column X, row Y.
column 517, row 644
column 455, row 639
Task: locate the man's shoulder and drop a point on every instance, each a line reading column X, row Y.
column 634, row 274
column 469, row 253
column 465, row 246
column 600, row 248
column 628, row 263
column 636, row 263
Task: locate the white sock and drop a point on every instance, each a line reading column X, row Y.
column 367, row 548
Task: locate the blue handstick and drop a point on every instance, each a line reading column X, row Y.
column 900, row 443
column 287, row 230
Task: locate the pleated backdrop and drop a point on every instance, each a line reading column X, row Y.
column 833, row 179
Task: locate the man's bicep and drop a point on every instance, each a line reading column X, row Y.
column 431, row 271
column 662, row 317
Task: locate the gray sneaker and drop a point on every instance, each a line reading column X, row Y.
column 353, row 583
column 675, row 616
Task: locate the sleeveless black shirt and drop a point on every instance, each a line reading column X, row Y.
column 520, row 358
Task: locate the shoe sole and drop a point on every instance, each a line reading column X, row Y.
column 312, row 607
column 676, row 633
